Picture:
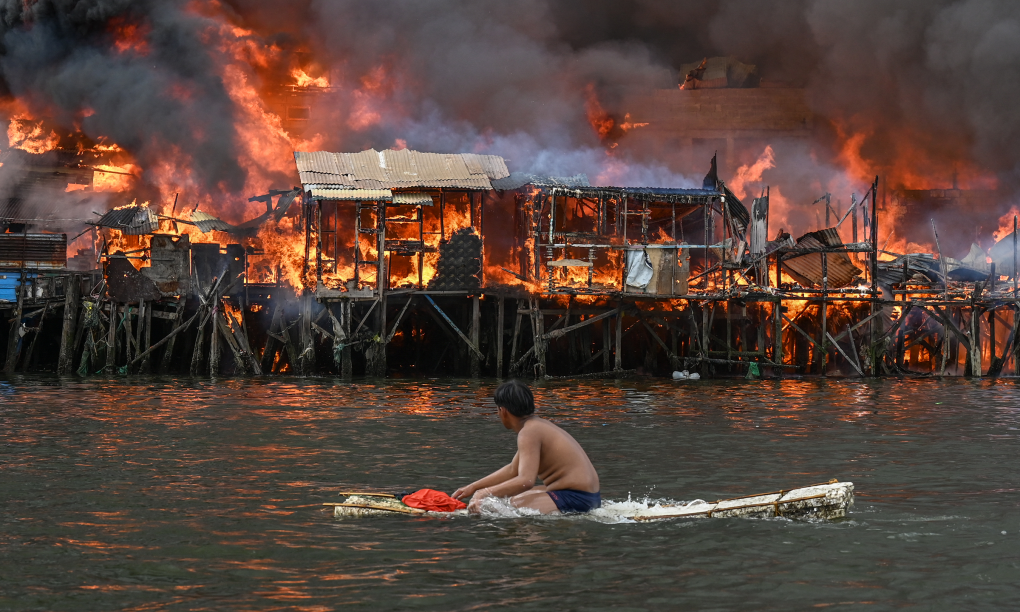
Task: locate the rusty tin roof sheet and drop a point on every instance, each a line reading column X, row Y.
column 390, row 169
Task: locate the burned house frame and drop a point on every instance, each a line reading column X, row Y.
column 420, row 263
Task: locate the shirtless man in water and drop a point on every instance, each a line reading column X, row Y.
column 544, row 451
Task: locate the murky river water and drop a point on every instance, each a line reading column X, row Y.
column 184, row 495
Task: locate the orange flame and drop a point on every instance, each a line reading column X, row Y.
column 30, row 135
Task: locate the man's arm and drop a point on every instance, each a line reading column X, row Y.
column 501, row 475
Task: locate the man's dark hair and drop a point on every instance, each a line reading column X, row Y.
column 516, row 397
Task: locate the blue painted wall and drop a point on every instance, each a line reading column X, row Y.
column 9, row 281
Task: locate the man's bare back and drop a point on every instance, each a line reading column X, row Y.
column 544, row 451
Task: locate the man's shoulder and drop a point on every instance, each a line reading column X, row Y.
column 537, row 426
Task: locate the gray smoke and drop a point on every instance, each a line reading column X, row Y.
column 61, row 55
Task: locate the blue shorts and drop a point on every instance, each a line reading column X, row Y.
column 569, row 500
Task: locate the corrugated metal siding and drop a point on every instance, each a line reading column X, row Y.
column 373, row 169
column 33, row 251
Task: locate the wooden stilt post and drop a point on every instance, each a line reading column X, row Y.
column 13, row 340
column 606, row 346
column 72, row 299
column 517, row 331
column 196, row 353
column 269, row 351
column 168, row 353
column 777, row 336
column 476, row 324
column 111, row 340
column 140, row 327
column 147, row 340
column 975, row 342
column 214, row 342
column 618, row 344
column 30, row 353
column 540, row 344
column 306, row 358
column 346, row 365
column 499, row 334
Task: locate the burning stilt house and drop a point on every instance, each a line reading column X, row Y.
column 412, row 263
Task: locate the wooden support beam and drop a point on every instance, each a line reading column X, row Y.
column 456, row 329
column 802, row 332
column 607, row 347
column 72, row 300
column 180, row 328
column 975, row 342
column 166, row 363
column 396, row 323
column 947, row 322
column 27, row 365
column 306, row 358
column 214, row 342
column 559, row 333
column 538, row 327
column 346, row 360
column 147, row 338
column 853, row 363
column 618, row 345
column 269, row 351
column 111, row 341
column 14, row 336
column 226, row 330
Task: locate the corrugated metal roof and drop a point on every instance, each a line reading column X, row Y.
column 133, row 220
column 348, row 195
column 807, row 269
column 373, row 169
column 412, row 199
column 39, row 209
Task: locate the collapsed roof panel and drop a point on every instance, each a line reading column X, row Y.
column 807, row 269
column 208, row 223
column 516, row 180
column 131, row 220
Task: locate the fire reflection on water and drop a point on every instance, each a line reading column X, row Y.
column 208, row 490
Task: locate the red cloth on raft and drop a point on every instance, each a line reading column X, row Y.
column 433, row 501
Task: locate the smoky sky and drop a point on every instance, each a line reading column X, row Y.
column 937, row 79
